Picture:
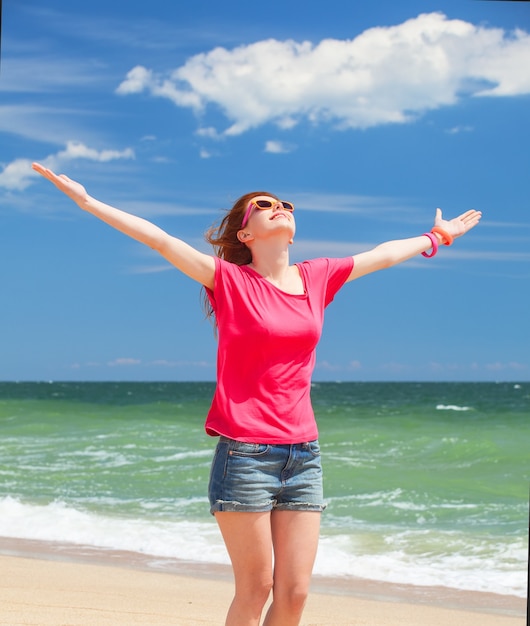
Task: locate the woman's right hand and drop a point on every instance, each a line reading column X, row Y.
column 71, row 188
column 195, row 264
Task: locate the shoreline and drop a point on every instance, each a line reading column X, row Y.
column 88, row 575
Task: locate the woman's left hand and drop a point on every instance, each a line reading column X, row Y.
column 460, row 225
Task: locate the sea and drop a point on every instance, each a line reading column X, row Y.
column 426, row 484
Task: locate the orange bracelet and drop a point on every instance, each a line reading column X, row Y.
column 447, row 239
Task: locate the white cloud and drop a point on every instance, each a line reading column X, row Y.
column 138, row 79
column 349, row 203
column 455, row 130
column 53, row 125
column 77, row 150
column 209, row 132
column 132, row 362
column 512, row 365
column 126, row 361
column 42, row 74
column 18, row 174
column 328, row 366
column 278, row 147
column 167, row 363
column 312, row 248
column 395, row 367
column 385, row 75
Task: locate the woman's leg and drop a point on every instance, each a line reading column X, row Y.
column 248, row 539
column 295, row 537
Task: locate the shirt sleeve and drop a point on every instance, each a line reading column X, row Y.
column 324, row 277
column 338, row 273
column 217, row 278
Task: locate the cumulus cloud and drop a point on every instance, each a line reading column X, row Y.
column 18, row 174
column 77, row 150
column 278, row 147
column 384, row 75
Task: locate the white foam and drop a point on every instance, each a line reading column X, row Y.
column 418, row 557
column 184, row 539
column 482, row 571
column 452, row 407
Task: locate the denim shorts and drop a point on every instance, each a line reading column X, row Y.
column 257, row 477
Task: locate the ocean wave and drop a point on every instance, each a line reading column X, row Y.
column 452, row 407
column 59, row 522
column 420, row 557
column 453, row 569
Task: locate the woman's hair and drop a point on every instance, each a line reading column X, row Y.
column 223, row 237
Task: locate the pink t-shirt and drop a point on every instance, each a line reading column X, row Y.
column 266, row 351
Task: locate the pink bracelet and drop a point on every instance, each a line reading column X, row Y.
column 434, row 243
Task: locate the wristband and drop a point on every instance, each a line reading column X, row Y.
column 434, row 243
column 447, row 239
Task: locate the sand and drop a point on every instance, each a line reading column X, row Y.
column 57, row 585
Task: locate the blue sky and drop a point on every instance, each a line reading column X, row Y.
column 366, row 115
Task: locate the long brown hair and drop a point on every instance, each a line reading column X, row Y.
column 223, row 238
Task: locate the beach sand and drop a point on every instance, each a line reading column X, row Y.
column 56, row 585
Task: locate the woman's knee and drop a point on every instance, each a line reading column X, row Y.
column 292, row 598
column 255, row 589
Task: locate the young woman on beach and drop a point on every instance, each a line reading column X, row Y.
column 266, row 479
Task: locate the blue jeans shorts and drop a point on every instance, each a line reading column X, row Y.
column 258, row 477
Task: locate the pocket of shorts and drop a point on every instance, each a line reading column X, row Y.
column 241, row 448
column 314, row 447
column 218, row 466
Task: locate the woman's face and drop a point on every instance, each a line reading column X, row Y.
column 268, row 214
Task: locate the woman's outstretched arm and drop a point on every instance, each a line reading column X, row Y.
column 195, row 264
column 394, row 252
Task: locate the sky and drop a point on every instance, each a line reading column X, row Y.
column 367, row 115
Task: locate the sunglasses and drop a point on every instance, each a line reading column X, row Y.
column 262, row 205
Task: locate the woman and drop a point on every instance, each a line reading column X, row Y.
column 266, row 481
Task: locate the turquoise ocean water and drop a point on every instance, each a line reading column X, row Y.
column 426, row 484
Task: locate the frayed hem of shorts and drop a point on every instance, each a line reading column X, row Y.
column 233, row 506
column 300, row 506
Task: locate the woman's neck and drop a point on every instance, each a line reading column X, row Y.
column 271, row 262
